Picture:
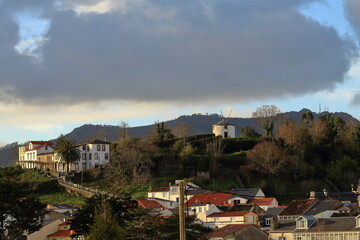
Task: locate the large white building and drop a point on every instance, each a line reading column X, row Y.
column 94, row 154
column 43, row 155
column 224, row 129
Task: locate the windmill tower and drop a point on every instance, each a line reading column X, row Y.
column 224, row 128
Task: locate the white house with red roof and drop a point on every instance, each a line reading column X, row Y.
column 29, row 152
column 203, row 210
column 221, row 219
column 265, row 203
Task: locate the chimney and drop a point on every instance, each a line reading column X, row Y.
column 274, row 223
column 312, row 194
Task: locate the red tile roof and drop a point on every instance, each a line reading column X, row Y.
column 298, row 207
column 38, row 147
column 160, row 189
column 62, row 233
column 229, row 229
column 149, row 204
column 214, row 198
column 262, row 201
column 229, row 214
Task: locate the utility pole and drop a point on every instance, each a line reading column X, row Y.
column 182, row 212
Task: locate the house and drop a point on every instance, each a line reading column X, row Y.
column 323, row 209
column 296, row 208
column 269, row 214
column 224, row 129
column 218, row 199
column 63, row 233
column 28, row 153
column 344, row 197
column 239, row 232
column 43, row 155
column 220, row 219
column 93, row 154
column 48, row 227
column 307, row 227
column 149, row 204
column 169, row 196
column 265, row 203
column 248, row 193
column 203, row 210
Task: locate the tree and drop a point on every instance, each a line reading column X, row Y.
column 105, row 224
column 344, row 172
column 249, row 132
column 84, row 218
column 181, row 130
column 266, row 115
column 68, row 151
column 267, row 158
column 215, row 147
column 132, row 163
column 123, row 129
column 20, row 213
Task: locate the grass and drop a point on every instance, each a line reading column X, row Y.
column 62, row 198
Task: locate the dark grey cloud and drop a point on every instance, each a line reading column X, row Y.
column 181, row 51
column 352, row 8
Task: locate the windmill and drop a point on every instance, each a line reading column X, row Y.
column 224, row 128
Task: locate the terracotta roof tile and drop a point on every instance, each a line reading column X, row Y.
column 214, row 198
column 149, row 204
column 262, row 201
column 298, row 207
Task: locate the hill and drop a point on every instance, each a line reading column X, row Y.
column 198, row 123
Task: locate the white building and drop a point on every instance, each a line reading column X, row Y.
column 224, row 129
column 28, row 153
column 94, row 154
column 42, row 155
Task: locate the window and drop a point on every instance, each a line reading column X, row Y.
column 267, row 221
column 250, row 218
column 84, row 166
column 225, row 134
column 66, row 228
column 164, row 194
column 106, row 156
column 84, row 156
column 96, row 156
column 87, row 148
column 90, row 166
column 177, row 199
column 174, row 189
column 200, row 209
column 84, row 147
column 103, row 147
column 98, row 147
column 89, row 156
column 96, row 165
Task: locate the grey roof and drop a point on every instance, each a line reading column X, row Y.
column 342, row 196
column 322, row 206
column 224, row 122
column 245, row 192
column 273, row 211
column 96, row 141
column 197, row 192
column 286, row 225
column 332, row 225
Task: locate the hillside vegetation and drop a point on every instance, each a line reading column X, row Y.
column 287, row 161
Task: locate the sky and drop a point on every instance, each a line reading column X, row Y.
column 65, row 63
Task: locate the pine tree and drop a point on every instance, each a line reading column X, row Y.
column 105, row 224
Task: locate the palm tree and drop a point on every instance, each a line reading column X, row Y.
column 68, row 151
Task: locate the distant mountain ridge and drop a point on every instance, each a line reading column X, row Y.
column 198, row 123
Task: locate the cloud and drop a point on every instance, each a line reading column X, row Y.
column 174, row 51
column 352, row 8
